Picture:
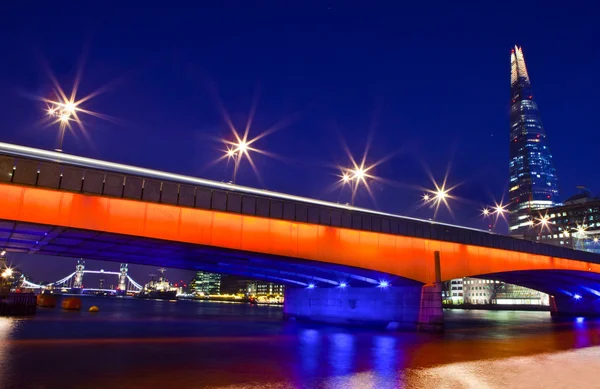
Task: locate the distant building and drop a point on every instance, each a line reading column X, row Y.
column 533, row 179
column 478, row 291
column 269, row 289
column 576, row 224
column 205, row 283
column 454, row 291
column 240, row 285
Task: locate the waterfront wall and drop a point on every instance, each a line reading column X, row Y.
column 17, row 304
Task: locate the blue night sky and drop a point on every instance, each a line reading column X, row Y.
column 429, row 82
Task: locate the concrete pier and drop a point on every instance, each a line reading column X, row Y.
column 431, row 314
column 394, row 306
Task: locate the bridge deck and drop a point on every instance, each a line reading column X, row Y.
column 47, row 169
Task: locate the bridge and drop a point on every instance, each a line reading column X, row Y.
column 74, row 281
column 349, row 264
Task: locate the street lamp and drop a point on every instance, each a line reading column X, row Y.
column 440, row 195
column 355, row 177
column 236, row 151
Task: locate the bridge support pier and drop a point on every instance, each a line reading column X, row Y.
column 570, row 306
column 395, row 307
column 431, row 314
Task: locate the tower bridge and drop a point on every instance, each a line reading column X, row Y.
column 74, row 281
column 342, row 263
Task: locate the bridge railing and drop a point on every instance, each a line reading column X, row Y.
column 148, row 186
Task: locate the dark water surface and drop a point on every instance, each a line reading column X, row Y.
column 185, row 344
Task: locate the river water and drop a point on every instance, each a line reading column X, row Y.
column 186, row 344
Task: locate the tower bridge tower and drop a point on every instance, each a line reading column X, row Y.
column 78, row 278
column 122, row 288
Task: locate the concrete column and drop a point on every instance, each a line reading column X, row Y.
column 431, row 314
column 571, row 306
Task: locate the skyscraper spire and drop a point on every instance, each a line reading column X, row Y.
column 533, row 179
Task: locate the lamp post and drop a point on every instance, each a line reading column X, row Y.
column 236, row 152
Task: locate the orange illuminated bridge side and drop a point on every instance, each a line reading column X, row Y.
column 403, row 256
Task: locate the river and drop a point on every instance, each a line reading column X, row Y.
column 186, row 344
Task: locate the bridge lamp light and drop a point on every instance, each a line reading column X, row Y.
column 311, row 286
column 69, row 108
column 359, row 173
column 384, row 284
column 64, row 117
column 426, row 197
column 343, row 285
column 500, row 209
column 595, row 239
column 485, row 212
column 441, row 194
column 7, row 273
column 230, row 153
column 576, row 296
column 346, row 178
column 51, row 111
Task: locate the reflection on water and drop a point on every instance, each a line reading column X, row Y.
column 160, row 344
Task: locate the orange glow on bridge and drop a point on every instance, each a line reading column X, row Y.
column 400, row 255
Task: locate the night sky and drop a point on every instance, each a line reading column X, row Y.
column 429, row 83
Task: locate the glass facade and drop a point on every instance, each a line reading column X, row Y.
column 206, row 283
column 533, row 179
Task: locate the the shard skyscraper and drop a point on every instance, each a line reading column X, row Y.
column 533, row 180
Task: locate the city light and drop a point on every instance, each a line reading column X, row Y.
column 359, row 173
column 439, row 195
column 64, row 109
column 580, row 232
column 500, row 209
column 595, row 239
column 242, row 145
column 7, row 273
column 3, row 253
column 356, row 176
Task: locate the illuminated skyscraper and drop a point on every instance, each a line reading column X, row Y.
column 533, row 179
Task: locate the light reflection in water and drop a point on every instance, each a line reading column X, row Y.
column 385, row 361
column 309, row 350
column 7, row 327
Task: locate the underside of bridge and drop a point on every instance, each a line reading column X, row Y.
column 76, row 243
column 572, row 292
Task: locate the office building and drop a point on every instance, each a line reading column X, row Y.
column 205, row 283
column 576, row 224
